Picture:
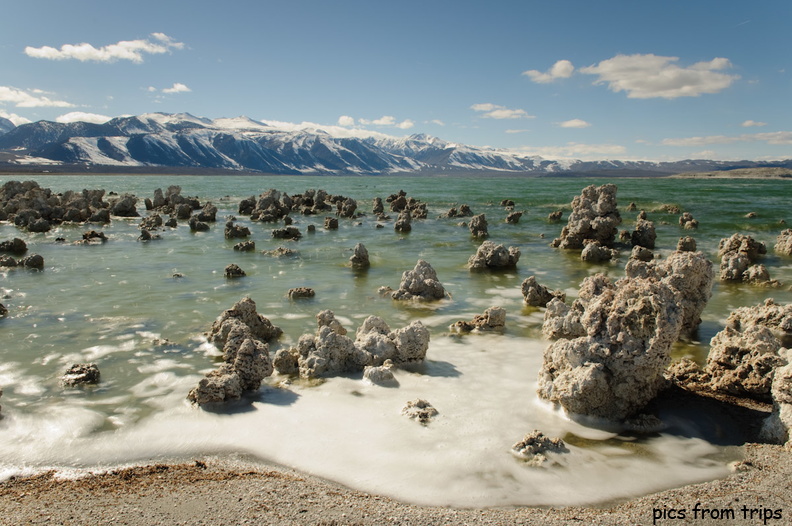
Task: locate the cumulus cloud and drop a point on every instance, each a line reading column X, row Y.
column 651, row 76
column 132, row 50
column 750, row 123
column 177, row 87
column 495, row 111
column 346, row 120
column 574, row 123
column 406, row 124
column 80, row 116
column 30, row 99
column 562, row 69
column 774, row 138
column 13, row 117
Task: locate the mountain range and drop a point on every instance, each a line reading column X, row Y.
column 183, row 142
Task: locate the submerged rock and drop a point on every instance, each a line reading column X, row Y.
column 492, row 256
column 494, row 318
column 687, row 222
column 595, row 252
column 81, row 374
column 420, row 284
column 534, row 445
column 536, row 295
column 403, row 222
column 301, row 292
column 617, row 365
column 594, row 217
column 14, row 246
column 478, row 226
column 234, row 271
column 242, row 334
column 360, row 257
column 419, row 410
column 233, row 231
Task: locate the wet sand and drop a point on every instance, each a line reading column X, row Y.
column 219, row 492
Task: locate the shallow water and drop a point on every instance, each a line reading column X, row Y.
column 111, row 304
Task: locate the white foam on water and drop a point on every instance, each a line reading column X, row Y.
column 352, row 432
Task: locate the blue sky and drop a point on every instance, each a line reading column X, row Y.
column 561, row 79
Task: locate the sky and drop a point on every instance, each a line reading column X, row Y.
column 562, row 79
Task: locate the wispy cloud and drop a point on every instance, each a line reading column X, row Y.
column 132, row 50
column 574, row 123
column 30, row 98
column 750, row 124
column 562, row 69
column 574, row 150
column 774, row 138
column 651, row 76
column 436, row 121
column 495, row 111
column 388, row 121
column 516, row 131
column 80, row 116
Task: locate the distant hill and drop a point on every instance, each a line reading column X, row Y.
column 183, row 143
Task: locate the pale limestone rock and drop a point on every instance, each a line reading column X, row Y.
column 492, row 256
column 536, row 295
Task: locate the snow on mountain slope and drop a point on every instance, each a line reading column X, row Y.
column 243, row 144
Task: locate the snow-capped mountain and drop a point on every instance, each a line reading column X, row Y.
column 244, row 145
column 5, row 125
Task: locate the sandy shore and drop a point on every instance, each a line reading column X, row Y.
column 216, row 492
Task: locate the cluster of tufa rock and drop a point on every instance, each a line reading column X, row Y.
column 492, row 256
column 739, row 255
column 330, row 352
column 784, row 242
column 744, row 356
column 242, row 335
column 420, row 284
column 594, row 219
column 612, row 346
column 689, row 273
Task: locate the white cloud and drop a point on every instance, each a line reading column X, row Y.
column 516, row 131
column 495, row 111
column 80, row 116
column 13, row 117
column 386, row 120
column 652, row 76
column 30, row 99
column 132, row 50
column 774, row 138
column 436, row 121
column 750, row 123
column 346, row 120
column 562, row 69
column 177, row 87
column 574, row 123
column 575, row 150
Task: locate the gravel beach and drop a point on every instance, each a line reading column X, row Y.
column 218, row 492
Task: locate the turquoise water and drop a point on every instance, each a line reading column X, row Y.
column 113, row 303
